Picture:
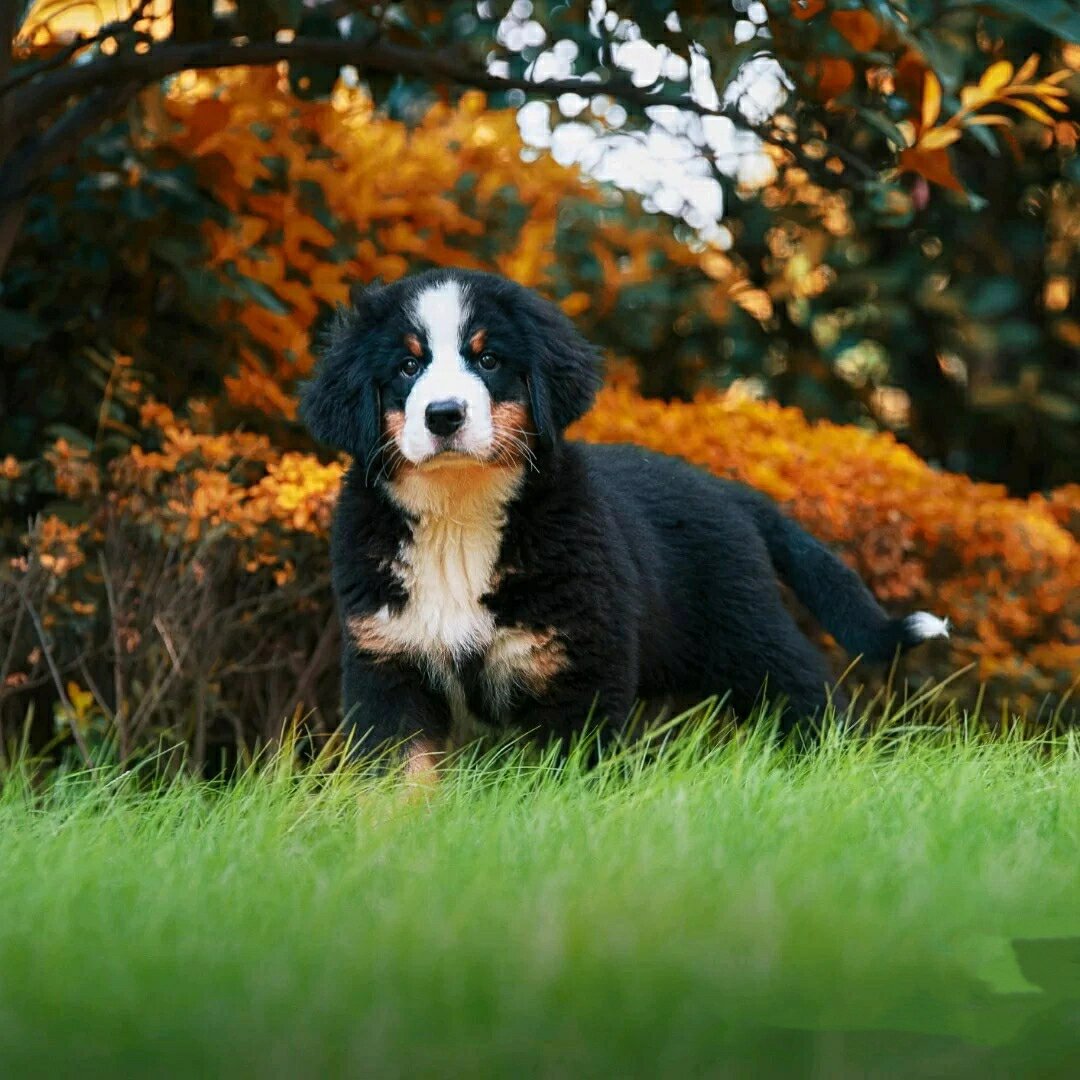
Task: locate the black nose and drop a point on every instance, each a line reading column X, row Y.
column 445, row 417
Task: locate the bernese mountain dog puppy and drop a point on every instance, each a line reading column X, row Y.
column 487, row 569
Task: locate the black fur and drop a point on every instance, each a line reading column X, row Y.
column 658, row 578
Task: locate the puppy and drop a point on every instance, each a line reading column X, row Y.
column 488, row 571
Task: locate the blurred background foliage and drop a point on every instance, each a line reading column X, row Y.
column 867, row 209
column 900, row 279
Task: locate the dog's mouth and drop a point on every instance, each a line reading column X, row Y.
column 451, row 457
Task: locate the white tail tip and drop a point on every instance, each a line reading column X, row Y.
column 922, row 626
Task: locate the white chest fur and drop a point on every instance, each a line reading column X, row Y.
column 446, row 566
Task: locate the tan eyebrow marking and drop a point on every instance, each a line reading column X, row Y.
column 476, row 342
column 412, row 343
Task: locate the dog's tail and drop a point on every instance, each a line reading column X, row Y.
column 835, row 594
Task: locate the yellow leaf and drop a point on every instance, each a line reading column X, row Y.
column 939, row 138
column 576, row 303
column 755, row 302
column 1032, row 110
column 1053, row 103
column 991, row 120
column 1059, row 76
column 1028, row 68
column 1047, row 90
column 996, row 76
column 973, row 97
column 81, row 701
column 931, row 102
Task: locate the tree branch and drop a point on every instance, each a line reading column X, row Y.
column 38, row 156
column 106, row 82
column 8, row 15
column 32, row 102
column 31, row 71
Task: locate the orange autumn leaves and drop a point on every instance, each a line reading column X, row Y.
column 234, row 485
column 458, row 188
column 833, row 76
column 1006, row 571
column 396, row 191
column 927, row 134
column 1001, row 85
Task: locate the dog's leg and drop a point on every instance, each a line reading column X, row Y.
column 387, row 707
column 775, row 661
column 581, row 709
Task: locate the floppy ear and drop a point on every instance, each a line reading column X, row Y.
column 540, row 407
column 564, row 373
column 341, row 405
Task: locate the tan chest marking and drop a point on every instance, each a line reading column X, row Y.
column 513, row 656
column 520, row 659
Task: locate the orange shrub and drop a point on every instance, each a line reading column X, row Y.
column 1005, row 571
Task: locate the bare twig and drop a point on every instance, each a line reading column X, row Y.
column 9, row 656
column 321, row 655
column 99, row 698
column 159, row 685
column 163, row 630
column 119, row 710
column 198, row 749
column 80, row 41
column 54, row 671
column 46, row 648
column 37, row 156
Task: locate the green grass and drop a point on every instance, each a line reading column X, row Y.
column 726, row 910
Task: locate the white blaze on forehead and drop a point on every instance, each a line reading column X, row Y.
column 441, row 313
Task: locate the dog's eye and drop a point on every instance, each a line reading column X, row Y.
column 488, row 361
column 409, row 366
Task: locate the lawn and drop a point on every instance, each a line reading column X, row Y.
column 901, row 907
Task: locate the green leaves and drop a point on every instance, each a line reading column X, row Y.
column 885, row 126
column 1061, row 17
column 994, row 297
column 20, row 330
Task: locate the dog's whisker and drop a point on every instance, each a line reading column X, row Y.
column 518, row 443
column 509, row 453
column 387, row 443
